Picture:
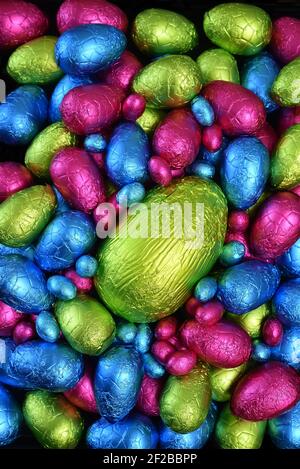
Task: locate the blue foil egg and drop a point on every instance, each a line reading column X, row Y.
column 47, row 327
column 203, row 111
column 61, row 287
column 244, row 171
column 246, row 286
column 288, row 351
column 7, row 346
column 206, row 289
column 117, row 382
column 131, row 194
column 89, row 48
column 61, row 204
column 213, row 157
column 202, row 169
column 86, row 266
column 286, row 302
column 94, row 143
column 126, row 332
column 10, row 417
column 133, row 432
column 127, row 154
column 232, row 253
column 260, row 351
column 26, row 251
column 285, row 429
column 152, row 367
column 258, row 75
column 67, row 237
column 143, row 338
column 289, row 262
column 23, row 115
column 23, row 285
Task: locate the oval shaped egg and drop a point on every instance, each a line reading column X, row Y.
column 252, row 321
column 169, row 81
column 284, row 430
column 289, row 261
column 286, row 90
column 9, row 318
column 285, row 162
column 10, row 417
column 238, row 28
column 182, row 262
column 122, row 72
column 286, row 302
column 13, row 178
column 54, row 422
column 223, row 381
column 218, row 64
column 285, row 41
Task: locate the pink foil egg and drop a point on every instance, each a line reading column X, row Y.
column 209, row 313
column 272, row 332
column 238, row 110
column 88, row 109
column 20, row 22
column 82, row 395
column 288, row 116
column 285, row 41
column 160, row 171
column 166, row 328
column 177, row 138
column 162, row 350
column 78, row 179
column 122, row 72
column 148, row 398
column 267, row 136
column 83, row 284
column 9, row 318
column 212, row 137
column 181, row 362
column 177, row 173
column 266, row 392
column 75, row 12
column 13, row 178
column 24, row 331
column 238, row 221
column 191, row 306
column 133, row 106
column 276, row 225
column 224, row 344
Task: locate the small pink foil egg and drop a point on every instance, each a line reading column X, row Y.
column 209, row 313
column 177, row 138
column 238, row 221
column 212, row 137
column 122, row 72
column 148, row 398
column 224, row 345
column 266, row 392
column 160, row 171
column 9, row 318
column 24, row 331
column 162, row 350
column 82, row 395
column 181, row 362
column 285, row 41
column 177, row 173
column 13, row 178
column 276, row 225
column 191, row 306
column 83, row 284
column 75, row 12
column 287, row 117
column 98, row 159
column 267, row 136
column 76, row 176
column 166, row 328
column 20, row 22
column 272, row 332
column 88, row 109
column 133, row 106
column 237, row 110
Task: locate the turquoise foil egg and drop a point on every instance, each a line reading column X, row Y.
column 10, row 417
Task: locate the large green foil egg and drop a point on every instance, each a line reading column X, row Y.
column 54, row 422
column 156, row 32
column 252, row 321
column 86, row 324
column 145, row 272
column 239, row 28
column 223, row 379
column 25, row 214
column 286, row 87
column 218, row 64
column 169, row 81
column 285, row 163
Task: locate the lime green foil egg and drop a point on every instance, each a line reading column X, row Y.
column 285, row 163
column 286, row 87
column 185, row 400
column 235, row 433
column 156, row 32
column 150, row 119
column 34, row 62
column 239, row 28
column 25, row 214
column 252, row 321
column 54, row 422
column 169, row 82
column 218, row 64
column 52, row 139
column 145, row 272
column 86, row 324
column 223, row 380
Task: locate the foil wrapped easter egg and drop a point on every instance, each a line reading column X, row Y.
column 135, row 431
column 25, row 214
column 13, row 178
column 10, row 417
column 223, row 381
column 238, row 111
column 238, row 28
column 149, row 394
column 34, row 63
column 22, row 115
column 244, row 171
column 284, row 430
column 169, row 81
column 51, row 140
column 286, row 302
column 265, row 392
column 88, row 109
column 117, row 382
column 285, row 41
column 285, row 163
column 182, row 263
column 252, row 321
column 54, row 422
column 9, row 318
column 185, row 400
column 289, row 261
column 218, row 64
column 177, row 138
column 86, row 324
column 156, row 32
column 82, row 394
column 78, row 179
column 276, row 225
column 47, row 327
column 287, row 351
column 68, row 236
column 122, row 72
column 285, row 90
column 90, row 48
column 233, row 432
column 150, row 119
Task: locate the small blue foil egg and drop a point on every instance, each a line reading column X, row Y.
column 126, row 332
column 94, row 143
column 133, row 432
column 206, row 289
column 127, row 154
column 289, row 262
column 61, row 287
column 260, row 351
column 143, row 338
column 23, row 284
column 288, row 350
column 23, row 115
column 232, row 253
column 152, row 367
column 26, row 251
column 202, row 169
column 68, row 236
column 131, row 194
column 89, row 48
column 47, row 327
column 117, row 382
column 10, row 417
column 285, row 429
column 86, row 266
column 203, row 111
column 246, row 286
column 286, row 302
column 244, row 171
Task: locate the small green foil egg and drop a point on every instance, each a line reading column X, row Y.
column 34, row 62
column 54, row 422
column 185, row 400
column 150, row 119
column 239, row 28
column 286, row 87
column 156, row 32
column 222, row 381
column 86, row 324
column 25, row 214
column 285, row 163
column 235, row 433
column 169, row 81
column 252, row 321
column 218, row 64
